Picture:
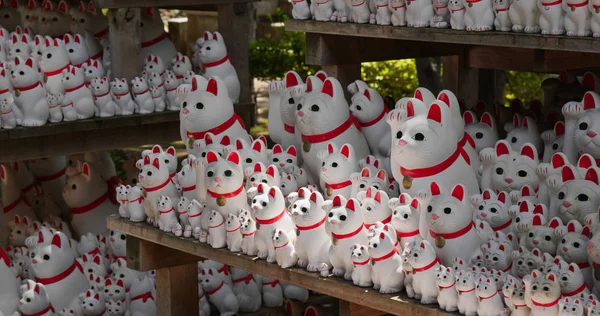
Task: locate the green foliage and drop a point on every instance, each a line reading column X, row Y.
column 272, row 56
column 397, row 78
column 119, row 156
column 524, row 85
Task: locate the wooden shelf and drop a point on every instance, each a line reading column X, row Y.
column 190, row 249
column 434, row 35
column 115, row 4
column 65, row 138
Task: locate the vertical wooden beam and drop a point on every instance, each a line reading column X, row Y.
column 460, row 79
column 125, row 42
column 345, row 74
column 177, row 290
column 236, row 22
column 351, row 309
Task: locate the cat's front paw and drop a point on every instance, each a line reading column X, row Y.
column 270, row 259
column 572, row 110
column 338, row 272
column 262, row 255
column 348, row 276
column 548, row 136
column 389, row 290
column 425, row 300
column 487, row 156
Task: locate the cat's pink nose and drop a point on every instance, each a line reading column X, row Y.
column 567, row 204
column 434, row 216
column 565, row 249
column 591, row 134
column 112, row 240
column 301, row 114
column 218, row 179
column 141, row 177
column 281, row 165
column 34, row 261
column 508, row 180
column 185, row 111
column 590, row 244
column 484, row 215
column 402, row 142
column 324, row 169
column 535, row 242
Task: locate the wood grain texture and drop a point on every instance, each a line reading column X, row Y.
column 125, row 42
column 113, row 4
column 143, row 255
column 394, row 304
column 177, row 290
column 351, row 309
column 434, row 35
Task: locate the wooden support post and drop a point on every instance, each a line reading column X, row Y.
column 351, row 309
column 235, row 24
column 177, row 290
column 125, row 42
column 144, row 255
column 460, row 79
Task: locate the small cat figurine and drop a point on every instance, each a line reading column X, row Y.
column 103, row 99
column 361, row 272
column 158, row 98
column 336, row 168
column 446, row 283
column 543, row 292
column 167, row 217
column 386, row 261
column 285, row 253
column 223, row 179
column 7, row 115
column 76, row 91
column 29, row 93
column 216, row 230
column 248, row 230
column 424, row 263
column 142, row 300
column 570, row 306
column 573, row 248
column 35, row 301
column 234, row 236
column 135, row 204
column 215, row 60
column 93, row 304
column 114, row 290
column 219, row 294
column 490, row 301
column 247, row 290
column 119, row 91
column 142, row 95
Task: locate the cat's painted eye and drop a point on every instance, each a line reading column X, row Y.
column 419, row 137
column 343, row 218
column 399, row 134
column 228, row 173
column 499, row 171
column 314, row 108
column 479, row 135
column 74, row 186
column 583, row 126
column 513, row 140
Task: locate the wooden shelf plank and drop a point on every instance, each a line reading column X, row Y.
column 434, row 35
column 394, row 304
column 115, row 4
column 65, row 138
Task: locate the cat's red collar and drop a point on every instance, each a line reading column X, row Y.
column 313, row 226
column 155, row 40
column 218, row 129
column 118, row 95
column 90, row 206
column 583, row 265
column 139, row 200
column 101, row 33
column 245, row 279
column 442, row 287
column 26, row 88
column 42, row 312
column 553, row 3
column 233, row 230
column 503, row 226
column 143, row 92
column 407, row 234
column 289, row 128
column 508, row 268
column 454, row 234
column 384, row 221
column 14, row 204
column 429, row 266
column 195, row 215
column 218, row 62
column 461, row 9
column 466, row 138
column 164, row 184
column 62, row 275
column 94, row 252
column 378, row 118
column 190, row 188
column 272, row 283
column 466, row 291
column 229, row 195
column 433, row 170
column 217, row 226
column 344, row 236
column 75, row 88
column 577, row 5
column 337, row 186
column 249, row 234
column 487, row 297
column 144, row 297
column 271, row 220
column 286, row 243
column 361, row 263
column 56, row 72
column 224, row 270
column 102, row 95
column 167, row 211
column 387, row 256
column 576, row 291
column 546, row 304
column 51, row 177
column 319, row 138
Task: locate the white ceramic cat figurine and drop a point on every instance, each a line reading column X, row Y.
column 29, row 92
column 198, row 219
column 9, row 285
column 572, row 248
column 552, row 17
column 594, row 8
column 419, row 13
column 405, row 217
column 398, row 8
column 386, row 261
column 93, row 304
column 494, row 210
column 18, row 47
column 312, row 242
column 375, row 206
column 578, row 197
column 35, row 301
column 76, row 91
column 483, row 131
column 316, row 135
column 457, row 14
column 88, row 198
column 167, row 217
column 220, row 294
column 361, row 272
column 213, row 55
column 447, row 159
column 577, row 18
column 142, row 300
column 9, row 120
column 216, row 230
column 63, row 276
column 117, row 308
column 572, row 283
column 441, row 18
column 53, row 61
column 345, row 223
column 360, row 12
column 246, row 290
column 424, row 263
column 336, row 168
column 383, row 16
column 542, row 236
column 93, row 70
column 525, row 132
column 224, row 183
column 511, row 170
column 155, row 41
column 268, row 208
column 135, row 204
column 451, row 227
column 248, row 230
column 502, row 20
column 524, row 16
column 446, row 282
column 322, row 10
column 284, row 160
column 285, row 253
column 76, row 49
column 261, row 174
column 171, row 84
column 543, row 292
column 142, row 95
column 209, row 110
column 156, row 181
column 103, row 99
column 490, row 301
column 234, row 236
column 119, row 91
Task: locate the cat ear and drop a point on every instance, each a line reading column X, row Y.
column 435, row 113
column 434, row 188
column 422, row 245
column 85, row 169
column 410, row 108
column 516, row 122
column 350, row 205
column 57, row 240
column 97, row 260
column 365, row 173
column 328, row 88
column 29, row 62
column 586, row 231
column 414, row 204
column 469, row 117
column 156, row 149
column 234, row 157
column 538, row 209
column 486, row 119
column 458, row 192
column 501, row 247
column 257, row 167
column 291, row 79
column 367, row 94
column 271, row 171
column 381, row 174
column 276, row 149
column 502, row 148
column 585, row 161
column 567, row 174
column 171, row 151
column 487, row 194
column 378, row 197
column 211, row 157
column 337, row 201
column 551, row 277
column 555, row 222
column 272, row 192
column 537, row 220
column 345, row 151
column 591, row 175
column 572, row 267
column 291, row 150
column 257, row 146
column 502, row 196
column 313, row 197
column 559, row 128
column 156, row 163
column 212, row 87
column 225, row 141
column 589, row 101
column 210, row 271
column 529, row 151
